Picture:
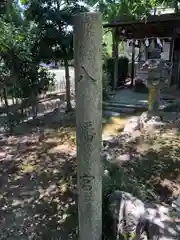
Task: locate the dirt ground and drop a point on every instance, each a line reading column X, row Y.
column 37, row 179
column 149, row 165
column 38, row 176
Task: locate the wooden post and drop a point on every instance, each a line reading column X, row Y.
column 178, row 73
column 88, row 83
column 132, row 63
column 115, row 55
column 171, row 58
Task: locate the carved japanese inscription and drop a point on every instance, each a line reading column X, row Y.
column 87, row 131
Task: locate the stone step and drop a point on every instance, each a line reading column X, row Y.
column 110, row 113
column 125, row 105
column 119, row 110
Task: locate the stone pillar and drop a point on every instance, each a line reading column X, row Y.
column 88, row 83
column 154, row 82
column 153, row 100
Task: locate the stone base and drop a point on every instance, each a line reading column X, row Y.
column 156, row 220
column 132, row 125
column 149, row 122
column 163, row 221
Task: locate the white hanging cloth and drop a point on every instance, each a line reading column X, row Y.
column 159, row 42
column 129, row 43
column 147, row 42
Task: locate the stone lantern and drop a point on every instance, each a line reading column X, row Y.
column 157, row 75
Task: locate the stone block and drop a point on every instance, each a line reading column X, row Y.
column 153, row 221
column 132, row 125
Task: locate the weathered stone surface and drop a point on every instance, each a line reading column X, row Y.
column 162, row 223
column 157, row 70
column 132, row 125
column 153, row 124
column 154, row 220
column 123, row 157
column 148, row 122
column 114, row 148
column 144, row 117
column 176, row 206
column 88, row 78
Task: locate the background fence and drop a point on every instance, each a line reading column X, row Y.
column 60, row 80
column 47, row 102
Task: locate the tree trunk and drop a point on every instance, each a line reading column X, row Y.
column 132, row 64
column 175, row 5
column 115, row 56
column 34, row 107
column 8, row 113
column 68, row 86
column 88, row 81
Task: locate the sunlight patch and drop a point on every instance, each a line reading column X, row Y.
column 63, row 148
column 28, row 168
column 63, row 187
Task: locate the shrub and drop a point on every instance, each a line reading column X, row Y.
column 122, row 69
column 106, row 85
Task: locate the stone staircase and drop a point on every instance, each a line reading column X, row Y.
column 115, row 108
column 128, row 101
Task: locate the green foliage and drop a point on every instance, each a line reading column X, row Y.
column 123, row 9
column 55, row 40
column 52, row 19
column 106, row 85
column 33, row 81
column 19, row 55
column 105, row 51
column 122, row 69
column 20, row 73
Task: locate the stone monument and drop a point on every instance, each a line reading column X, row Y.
column 157, row 78
column 88, row 85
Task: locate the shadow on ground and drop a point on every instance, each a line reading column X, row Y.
column 38, row 177
column 152, row 174
column 21, row 113
column 37, row 182
column 153, row 170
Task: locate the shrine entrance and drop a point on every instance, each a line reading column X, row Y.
column 155, row 35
